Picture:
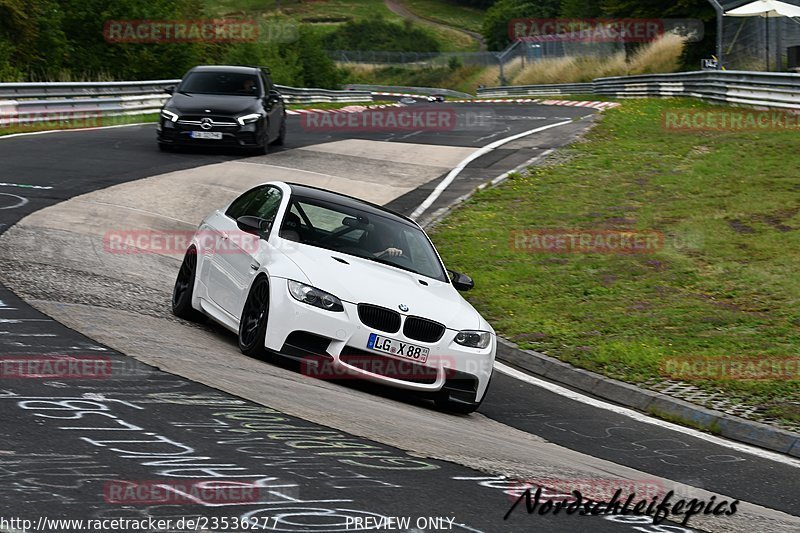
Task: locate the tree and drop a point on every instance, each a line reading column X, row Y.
column 502, row 13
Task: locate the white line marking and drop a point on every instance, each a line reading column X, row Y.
column 499, row 179
column 475, row 155
column 13, row 334
column 641, row 417
column 74, row 129
column 23, row 186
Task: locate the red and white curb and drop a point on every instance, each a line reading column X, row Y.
column 401, row 94
column 348, row 109
column 570, row 103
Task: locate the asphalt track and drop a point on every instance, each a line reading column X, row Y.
column 307, row 474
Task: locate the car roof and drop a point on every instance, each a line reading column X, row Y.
column 226, row 68
column 323, row 195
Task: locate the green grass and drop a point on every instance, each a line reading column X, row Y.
column 462, row 78
column 724, row 285
column 448, row 13
column 324, row 16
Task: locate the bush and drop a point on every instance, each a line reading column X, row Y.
column 382, row 35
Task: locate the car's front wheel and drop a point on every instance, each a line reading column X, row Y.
column 253, row 323
column 281, row 135
column 184, row 287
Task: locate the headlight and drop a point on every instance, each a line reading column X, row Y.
column 169, row 115
column 474, row 339
column 247, row 119
column 311, row 296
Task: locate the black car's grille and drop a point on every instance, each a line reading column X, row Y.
column 215, row 118
column 422, row 329
column 379, row 318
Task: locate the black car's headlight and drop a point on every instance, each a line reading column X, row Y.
column 473, row 339
column 247, row 119
column 313, row 296
column 169, row 115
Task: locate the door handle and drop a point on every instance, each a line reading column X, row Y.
column 254, row 266
column 224, row 236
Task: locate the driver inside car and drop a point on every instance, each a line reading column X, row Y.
column 380, row 243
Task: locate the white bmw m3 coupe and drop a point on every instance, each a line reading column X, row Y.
column 349, row 288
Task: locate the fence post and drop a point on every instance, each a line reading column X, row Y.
column 720, row 27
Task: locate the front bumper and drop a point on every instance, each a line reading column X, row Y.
column 334, row 345
column 177, row 133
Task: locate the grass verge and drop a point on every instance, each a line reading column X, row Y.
column 722, row 286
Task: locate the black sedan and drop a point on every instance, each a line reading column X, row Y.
column 223, row 106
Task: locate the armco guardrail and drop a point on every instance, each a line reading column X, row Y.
column 22, row 103
column 767, row 89
column 538, row 90
column 407, row 89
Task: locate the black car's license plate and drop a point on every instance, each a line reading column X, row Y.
column 215, row 135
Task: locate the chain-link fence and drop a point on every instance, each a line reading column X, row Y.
column 752, row 43
column 426, row 59
column 520, row 51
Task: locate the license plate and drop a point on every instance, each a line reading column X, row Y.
column 215, row 135
column 400, row 349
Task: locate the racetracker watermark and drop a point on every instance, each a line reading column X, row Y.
column 731, row 368
column 190, row 491
column 57, row 119
column 576, row 241
column 631, row 30
column 390, row 119
column 55, row 367
column 177, row 242
column 189, row 31
column 421, row 368
column 693, row 120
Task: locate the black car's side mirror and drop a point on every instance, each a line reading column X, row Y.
column 254, row 225
column 461, row 282
column 170, row 89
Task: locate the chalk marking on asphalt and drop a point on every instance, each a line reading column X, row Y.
column 22, row 201
column 453, row 174
column 74, row 129
column 24, row 186
column 640, row 417
column 495, row 134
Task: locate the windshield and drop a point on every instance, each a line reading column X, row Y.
column 228, row 83
column 348, row 230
